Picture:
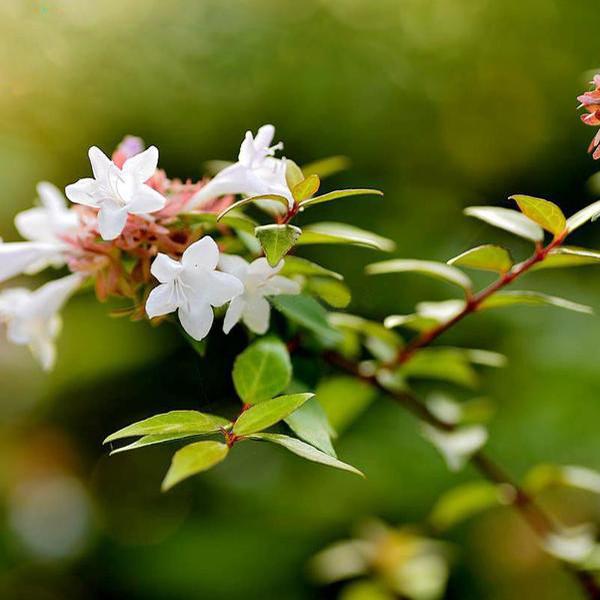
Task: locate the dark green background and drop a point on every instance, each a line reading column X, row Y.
column 440, row 103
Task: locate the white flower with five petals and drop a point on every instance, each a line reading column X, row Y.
column 192, row 287
column 257, row 172
column 260, row 280
column 32, row 317
column 118, row 192
column 45, row 227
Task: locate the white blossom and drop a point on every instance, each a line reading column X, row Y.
column 260, row 280
column 257, row 172
column 32, row 317
column 118, row 192
column 192, row 287
column 457, row 446
column 45, row 227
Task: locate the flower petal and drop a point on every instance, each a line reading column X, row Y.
column 221, row 288
column 50, row 196
column 234, row 313
column 203, row 254
column 145, row 200
column 82, row 192
column 261, row 269
column 197, row 319
column 44, row 350
column 165, row 268
column 264, row 136
column 143, row 165
column 162, row 300
column 32, row 224
column 101, row 164
column 257, row 314
column 234, row 265
column 111, row 221
column 280, row 285
column 48, row 299
column 16, row 257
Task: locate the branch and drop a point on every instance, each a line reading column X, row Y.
column 540, row 522
column 474, row 302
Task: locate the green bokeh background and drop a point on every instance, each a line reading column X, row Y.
column 440, row 103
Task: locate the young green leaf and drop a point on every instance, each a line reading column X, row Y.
column 414, row 321
column 267, row 413
column 545, row 476
column 568, row 256
column 327, row 166
column 293, row 173
column 276, row 240
column 488, row 257
column 308, row 313
column 515, row 297
column 332, row 291
column 310, row 423
column 425, row 267
column 589, row 213
column 294, row 265
column 340, row 233
column 244, row 201
column 462, row 502
column 339, row 194
column 445, row 364
column 306, row 188
column 509, row 220
column 235, row 221
column 175, row 421
column 344, row 399
column 543, row 212
column 305, row 451
column 193, row 459
column 151, row 440
column 366, row 328
column 262, row 370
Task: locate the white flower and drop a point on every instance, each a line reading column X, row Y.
column 32, row 318
column 192, row 287
column 118, row 192
column 259, row 280
column 44, row 226
column 457, row 446
column 256, row 172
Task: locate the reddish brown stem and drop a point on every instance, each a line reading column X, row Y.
column 474, row 302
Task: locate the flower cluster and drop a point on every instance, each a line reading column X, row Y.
column 140, row 235
column 591, row 102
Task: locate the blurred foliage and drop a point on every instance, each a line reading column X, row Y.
column 441, row 104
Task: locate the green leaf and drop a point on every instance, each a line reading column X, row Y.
column 306, row 188
column 262, row 370
column 515, row 297
column 193, row 459
column 244, row 201
column 340, row 194
column 545, row 476
column 305, row 451
column 332, row 291
column 589, row 213
column 485, row 258
column 368, row 329
column 276, row 240
column 293, row 173
column 327, row 166
column 509, row 220
column 414, row 321
column 267, row 413
column 344, row 399
column 294, row 265
column 543, row 212
column 463, row 502
column 568, row 256
column 310, row 423
column 425, row 267
column 151, row 440
column 446, row 364
column 307, row 312
column 175, row 421
column 340, row 233
column 235, row 221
